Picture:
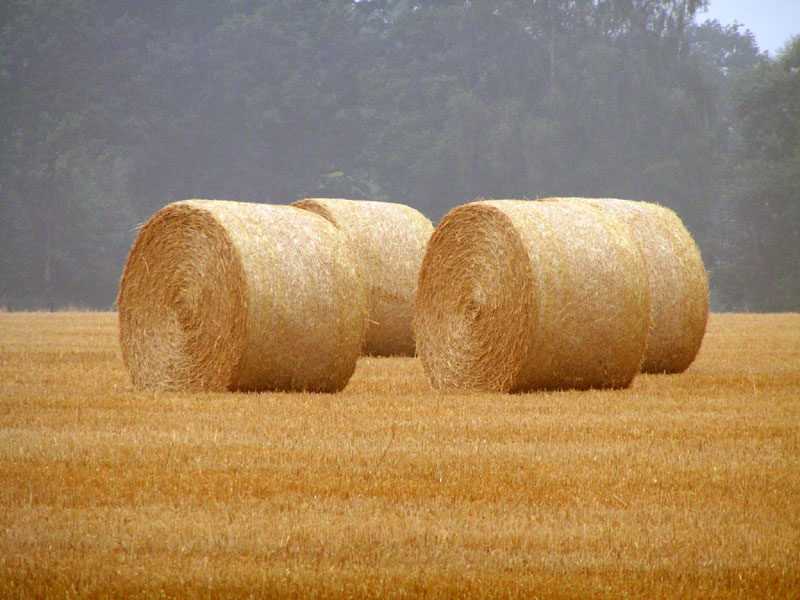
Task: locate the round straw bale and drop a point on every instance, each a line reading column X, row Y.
column 389, row 241
column 518, row 295
column 678, row 283
column 225, row 295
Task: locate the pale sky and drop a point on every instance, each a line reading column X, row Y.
column 771, row 21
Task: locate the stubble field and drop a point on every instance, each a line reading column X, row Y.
column 681, row 486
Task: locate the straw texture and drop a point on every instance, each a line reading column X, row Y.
column 225, row 295
column 677, row 278
column 517, row 295
column 388, row 240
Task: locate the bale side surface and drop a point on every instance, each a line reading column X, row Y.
column 678, row 283
column 224, row 295
column 517, row 295
column 388, row 240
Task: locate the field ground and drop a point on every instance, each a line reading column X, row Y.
column 681, row 486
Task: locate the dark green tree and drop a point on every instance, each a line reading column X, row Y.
column 112, row 110
column 764, row 185
column 59, row 137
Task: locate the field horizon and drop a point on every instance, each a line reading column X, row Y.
column 681, row 486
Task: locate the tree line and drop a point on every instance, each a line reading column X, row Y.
column 112, row 110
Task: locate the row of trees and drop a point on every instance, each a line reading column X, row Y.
column 112, row 110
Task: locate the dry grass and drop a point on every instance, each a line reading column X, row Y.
column 680, row 486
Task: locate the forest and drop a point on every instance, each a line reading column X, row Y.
column 111, row 110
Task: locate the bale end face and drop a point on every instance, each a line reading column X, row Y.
column 475, row 307
column 182, row 303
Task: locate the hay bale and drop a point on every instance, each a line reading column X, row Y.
column 516, row 295
column 389, row 241
column 225, row 295
column 677, row 278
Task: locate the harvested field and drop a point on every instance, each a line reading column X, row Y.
column 679, row 486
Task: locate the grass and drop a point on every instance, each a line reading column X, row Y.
column 681, row 486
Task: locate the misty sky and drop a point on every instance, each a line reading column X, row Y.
column 771, row 21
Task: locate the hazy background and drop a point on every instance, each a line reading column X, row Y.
column 112, row 110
